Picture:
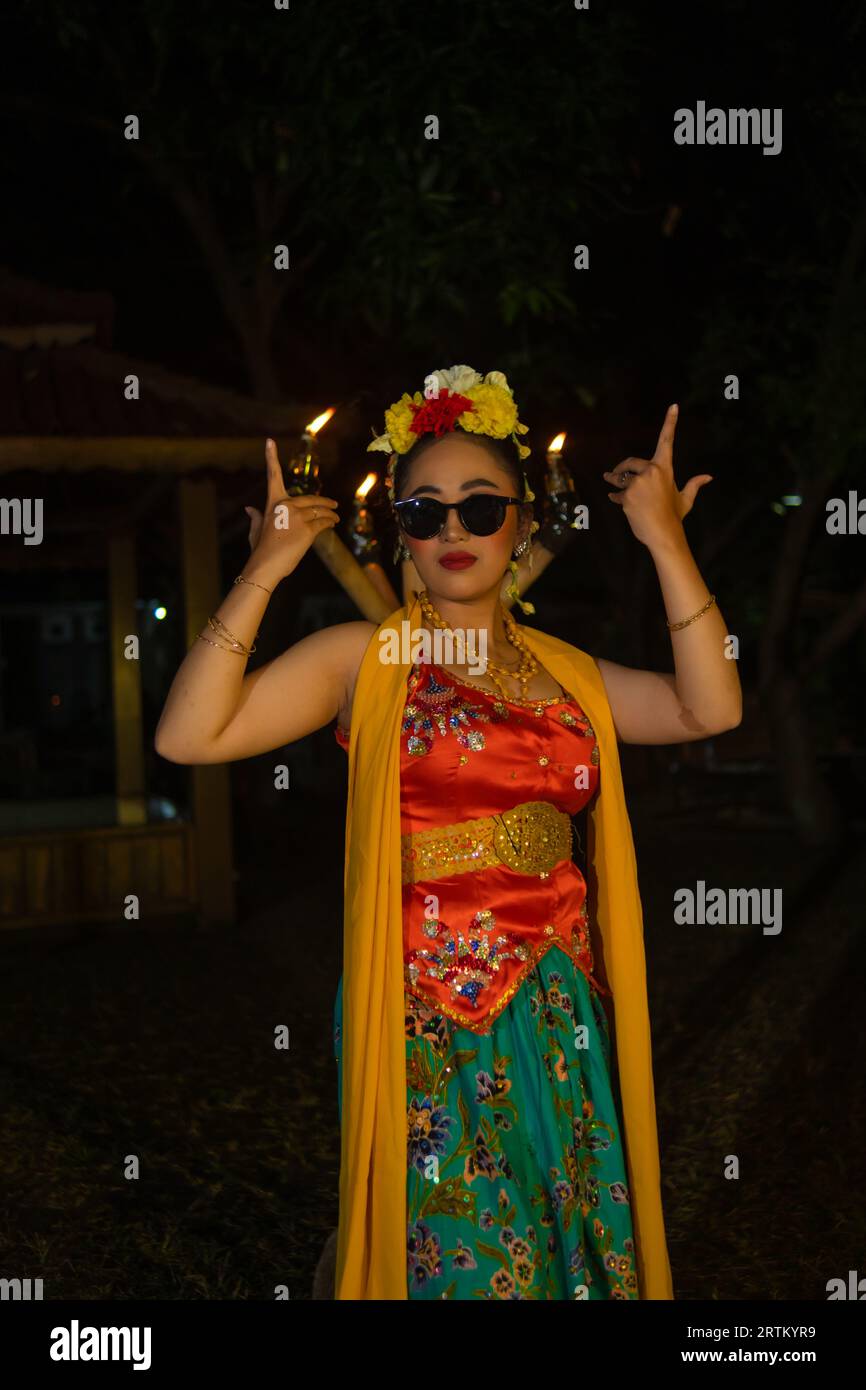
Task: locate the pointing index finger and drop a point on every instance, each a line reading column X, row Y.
column 664, row 446
column 276, row 482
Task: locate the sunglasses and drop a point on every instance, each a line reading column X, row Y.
column 481, row 514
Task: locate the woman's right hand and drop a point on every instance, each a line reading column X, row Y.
column 281, row 536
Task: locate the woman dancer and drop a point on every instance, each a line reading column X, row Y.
column 496, row 1141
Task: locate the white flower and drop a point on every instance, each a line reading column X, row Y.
column 457, row 379
column 381, row 442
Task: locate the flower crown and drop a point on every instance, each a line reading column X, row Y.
column 457, row 396
column 453, row 397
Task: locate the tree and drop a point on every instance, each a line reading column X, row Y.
column 269, row 127
column 792, row 325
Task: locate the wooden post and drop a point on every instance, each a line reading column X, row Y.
column 126, row 681
column 211, row 787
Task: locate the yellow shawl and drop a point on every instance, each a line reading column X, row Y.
column 371, row 1245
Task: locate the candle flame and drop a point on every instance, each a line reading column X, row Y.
column 370, row 480
column 320, row 420
column 555, row 445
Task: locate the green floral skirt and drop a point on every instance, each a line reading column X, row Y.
column 516, row 1176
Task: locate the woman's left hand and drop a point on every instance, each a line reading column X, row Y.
column 648, row 494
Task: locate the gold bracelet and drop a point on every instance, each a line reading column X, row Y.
column 221, row 630
column 218, row 645
column 685, row 622
column 240, row 580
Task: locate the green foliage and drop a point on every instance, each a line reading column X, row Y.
column 319, row 114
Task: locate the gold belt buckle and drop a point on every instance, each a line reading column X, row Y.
column 532, row 837
column 529, row 838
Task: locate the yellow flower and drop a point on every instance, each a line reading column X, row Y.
column 398, row 419
column 495, row 413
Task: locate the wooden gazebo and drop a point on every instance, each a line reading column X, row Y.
column 97, row 461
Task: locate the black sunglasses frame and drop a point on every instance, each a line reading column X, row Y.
column 443, row 508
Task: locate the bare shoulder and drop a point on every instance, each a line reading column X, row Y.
column 640, row 702
column 354, row 636
column 350, row 640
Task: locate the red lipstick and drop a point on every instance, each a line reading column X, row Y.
column 457, row 560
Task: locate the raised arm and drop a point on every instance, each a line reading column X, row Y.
column 702, row 696
column 215, row 712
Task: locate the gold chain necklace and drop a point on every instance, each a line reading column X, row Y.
column 528, row 666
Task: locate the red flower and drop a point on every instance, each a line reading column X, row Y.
column 437, row 416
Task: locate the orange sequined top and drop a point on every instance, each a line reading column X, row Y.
column 471, row 938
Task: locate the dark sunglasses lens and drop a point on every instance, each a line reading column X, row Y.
column 423, row 518
column 483, row 514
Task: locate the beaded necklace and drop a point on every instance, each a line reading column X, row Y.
column 534, row 701
column 528, row 666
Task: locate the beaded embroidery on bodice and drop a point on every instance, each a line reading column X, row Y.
column 470, row 938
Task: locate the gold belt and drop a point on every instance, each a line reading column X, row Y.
column 530, row 838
